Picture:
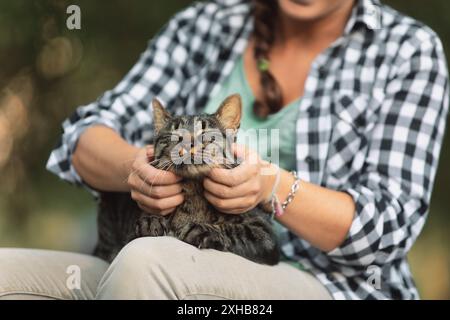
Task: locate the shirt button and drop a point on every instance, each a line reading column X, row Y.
column 309, row 159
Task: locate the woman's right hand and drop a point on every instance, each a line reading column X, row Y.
column 155, row 191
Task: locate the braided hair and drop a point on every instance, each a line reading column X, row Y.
column 264, row 16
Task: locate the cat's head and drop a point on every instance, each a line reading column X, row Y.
column 190, row 146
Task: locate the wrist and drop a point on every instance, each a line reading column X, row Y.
column 286, row 191
column 287, row 179
column 269, row 181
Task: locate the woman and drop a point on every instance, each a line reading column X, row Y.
column 360, row 93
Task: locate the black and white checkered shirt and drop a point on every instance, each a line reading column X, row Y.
column 370, row 123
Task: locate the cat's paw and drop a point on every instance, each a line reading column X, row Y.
column 191, row 233
column 213, row 240
column 202, row 236
column 150, row 226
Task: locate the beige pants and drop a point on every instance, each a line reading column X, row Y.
column 150, row 268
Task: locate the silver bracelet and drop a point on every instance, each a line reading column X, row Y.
column 294, row 189
column 277, row 207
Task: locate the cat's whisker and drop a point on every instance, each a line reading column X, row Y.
column 153, row 161
column 164, row 173
column 134, row 171
column 163, row 170
column 145, row 181
column 131, row 160
column 153, row 181
column 143, row 165
column 162, row 164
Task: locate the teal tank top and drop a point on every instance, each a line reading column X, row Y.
column 262, row 141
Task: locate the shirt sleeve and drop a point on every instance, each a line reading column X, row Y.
column 393, row 192
column 158, row 72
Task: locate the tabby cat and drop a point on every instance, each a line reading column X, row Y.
column 195, row 221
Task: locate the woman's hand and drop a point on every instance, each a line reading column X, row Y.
column 240, row 189
column 155, row 191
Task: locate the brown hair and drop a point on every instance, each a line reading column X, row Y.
column 264, row 16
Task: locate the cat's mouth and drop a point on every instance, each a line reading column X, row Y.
column 194, row 165
column 192, row 171
column 186, row 170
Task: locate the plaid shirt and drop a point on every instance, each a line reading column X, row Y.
column 371, row 123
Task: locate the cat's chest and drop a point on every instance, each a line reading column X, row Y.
column 195, row 206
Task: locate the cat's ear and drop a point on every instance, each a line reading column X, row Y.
column 229, row 112
column 160, row 115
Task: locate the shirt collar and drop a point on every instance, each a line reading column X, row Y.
column 366, row 13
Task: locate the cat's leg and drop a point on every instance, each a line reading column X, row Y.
column 203, row 236
column 151, row 226
column 253, row 239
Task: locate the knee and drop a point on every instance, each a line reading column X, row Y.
column 148, row 251
column 143, row 268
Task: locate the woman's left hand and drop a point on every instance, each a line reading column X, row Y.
column 242, row 188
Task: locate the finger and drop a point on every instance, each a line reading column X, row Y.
column 153, row 211
column 243, row 172
column 154, row 191
column 167, row 211
column 228, row 205
column 159, row 204
column 150, row 151
column 237, row 211
column 160, row 192
column 155, row 176
column 244, row 153
column 235, row 176
column 248, row 188
column 146, row 209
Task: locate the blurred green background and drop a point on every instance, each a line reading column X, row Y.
column 47, row 71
